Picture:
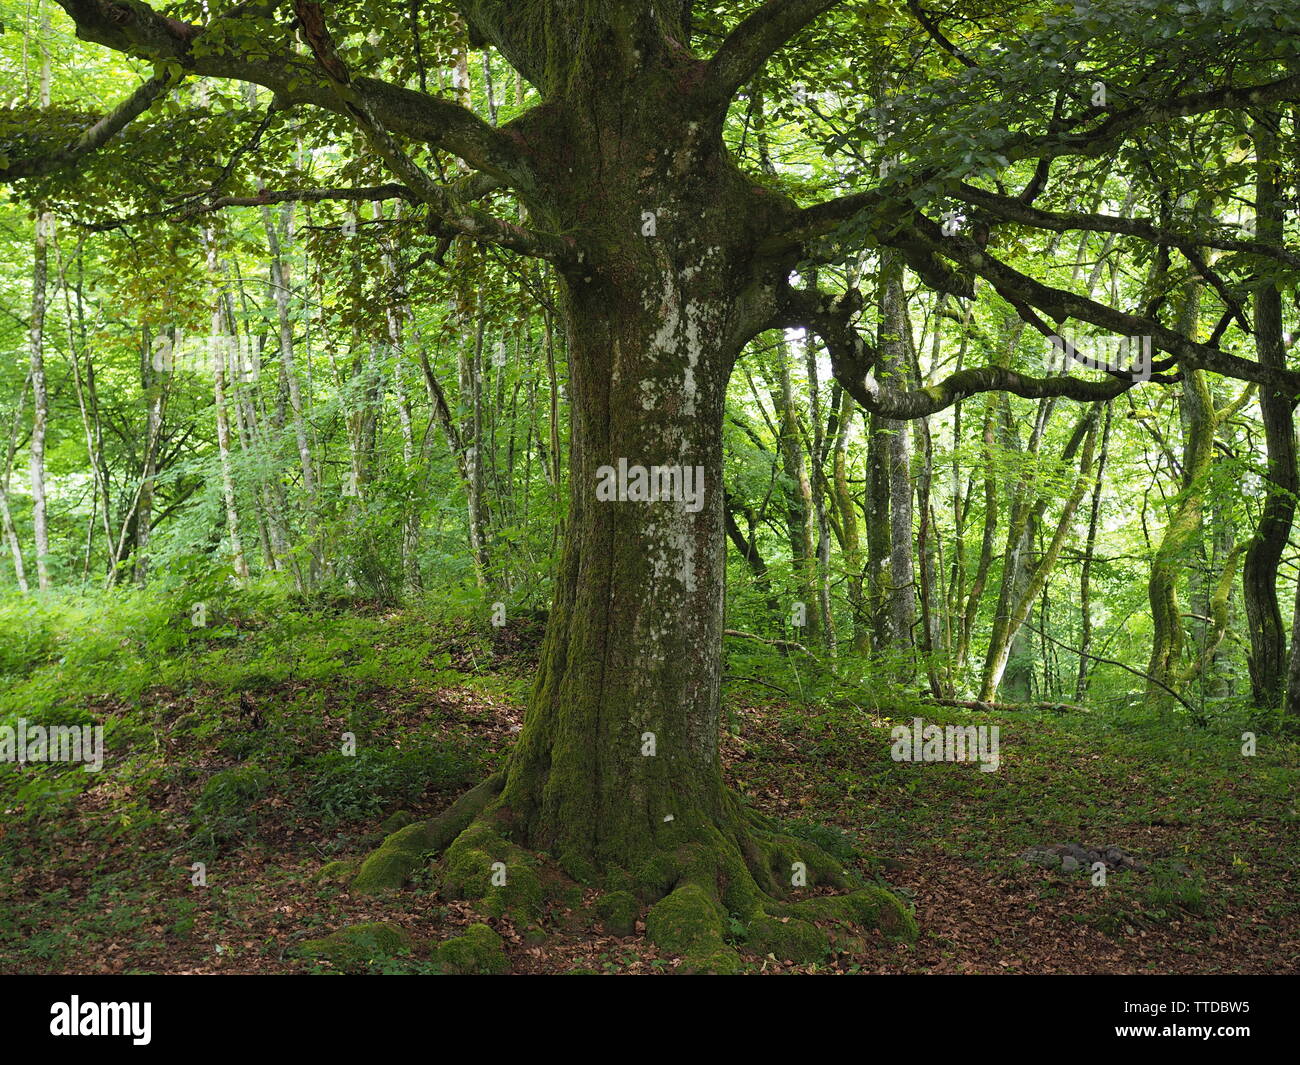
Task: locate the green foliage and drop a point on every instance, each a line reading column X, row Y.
column 342, row 788
column 222, row 811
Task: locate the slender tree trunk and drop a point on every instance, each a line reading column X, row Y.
column 394, row 314
column 1022, row 580
column 151, row 387
column 281, row 284
column 6, row 513
column 471, row 399
column 40, row 399
column 800, row 512
column 1268, row 639
column 889, row 483
column 11, row 538
column 217, row 355
column 851, row 535
column 817, row 449
column 36, row 352
column 1037, row 575
column 1085, row 570
column 992, row 406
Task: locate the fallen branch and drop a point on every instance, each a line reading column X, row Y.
column 976, row 704
column 771, row 643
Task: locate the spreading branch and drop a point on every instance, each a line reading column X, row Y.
column 750, row 45
column 1062, row 305
column 95, row 136
column 368, row 194
column 452, row 213
column 1013, row 209
column 822, row 218
column 853, row 362
column 133, row 28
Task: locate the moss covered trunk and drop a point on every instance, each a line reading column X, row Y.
column 622, row 735
column 617, row 774
column 620, row 746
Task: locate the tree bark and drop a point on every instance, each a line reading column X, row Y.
column 1268, row 638
column 40, row 399
column 217, row 356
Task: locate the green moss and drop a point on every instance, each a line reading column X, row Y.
column 396, row 821
column 869, row 907
column 470, row 870
column 787, row 939
column 720, row 961
column 579, row 868
column 353, row 949
column 740, row 894
column 389, row 867
column 782, row 852
column 618, row 912
column 655, row 878
column 479, row 952
column 336, row 872
column 687, row 921
column 401, row 853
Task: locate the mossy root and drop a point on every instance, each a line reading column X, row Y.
column 388, row 867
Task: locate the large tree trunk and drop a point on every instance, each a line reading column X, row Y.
column 617, row 773
column 634, row 641
column 635, row 632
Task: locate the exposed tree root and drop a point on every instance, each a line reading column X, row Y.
column 389, row 867
column 755, row 885
column 708, row 892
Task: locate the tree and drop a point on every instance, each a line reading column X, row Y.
column 670, row 259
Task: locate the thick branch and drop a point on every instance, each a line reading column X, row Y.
column 1015, row 210
column 753, row 42
column 1061, row 305
column 369, row 194
column 452, row 212
column 134, row 28
column 96, row 136
column 853, row 362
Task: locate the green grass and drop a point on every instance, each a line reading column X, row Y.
column 225, row 745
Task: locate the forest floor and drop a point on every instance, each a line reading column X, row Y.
column 225, row 751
